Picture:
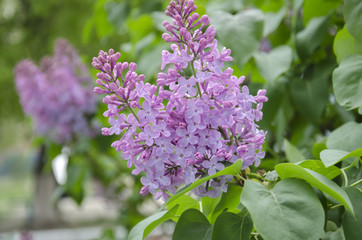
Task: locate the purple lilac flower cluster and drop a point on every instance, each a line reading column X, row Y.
column 195, row 122
column 57, row 95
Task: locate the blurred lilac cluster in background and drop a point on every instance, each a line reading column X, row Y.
column 57, row 95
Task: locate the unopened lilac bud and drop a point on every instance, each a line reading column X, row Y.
column 228, row 156
column 107, row 67
column 141, row 77
column 99, row 90
column 144, row 190
column 205, row 19
column 111, row 51
column 227, row 104
column 112, row 86
column 134, row 104
column 182, row 125
column 199, row 156
column 195, row 16
column 190, row 162
column 220, row 152
column 167, row 37
column 105, row 131
column 132, row 66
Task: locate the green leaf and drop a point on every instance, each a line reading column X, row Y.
column 208, row 204
column 292, row 152
column 241, row 32
column 145, row 227
column 231, row 170
column 347, row 79
column 184, row 202
column 318, row 166
column 192, row 225
column 345, row 45
column 311, row 37
column 352, row 226
column 271, row 65
column 352, row 12
column 229, row 200
column 348, row 137
column 290, row 170
column 333, row 156
column 272, row 20
column 318, row 147
column 231, row 226
column 286, row 211
column 318, row 8
column 310, row 93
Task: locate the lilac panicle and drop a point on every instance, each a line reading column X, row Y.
column 58, row 94
column 189, row 125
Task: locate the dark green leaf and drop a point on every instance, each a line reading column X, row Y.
column 290, row 170
column 310, row 93
column 352, row 226
column 333, row 156
column 241, row 32
column 286, row 211
column 352, row 12
column 229, row 200
column 192, row 225
column 348, row 137
column 274, row 63
column 232, row 227
column 318, row 166
column 145, row 227
column 311, row 37
column 345, row 45
column 347, row 79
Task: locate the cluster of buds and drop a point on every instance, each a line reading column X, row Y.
column 197, row 120
column 58, row 94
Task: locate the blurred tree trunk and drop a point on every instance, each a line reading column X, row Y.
column 45, row 213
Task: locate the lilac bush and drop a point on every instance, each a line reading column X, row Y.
column 58, row 94
column 197, row 120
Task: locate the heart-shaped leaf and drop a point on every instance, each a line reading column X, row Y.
column 290, row 170
column 274, row 63
column 232, row 227
column 347, row 79
column 286, row 211
column 347, row 137
column 192, row 225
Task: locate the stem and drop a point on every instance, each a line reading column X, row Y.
column 197, row 84
column 336, row 206
column 256, row 175
column 356, row 183
column 345, row 178
column 134, row 114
